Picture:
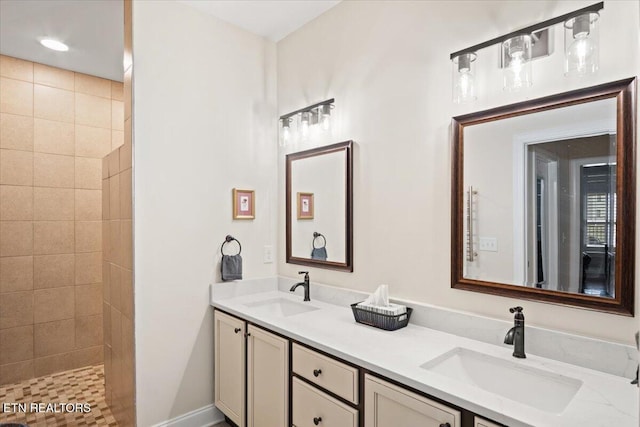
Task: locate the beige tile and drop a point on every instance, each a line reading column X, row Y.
column 116, row 280
column 53, row 204
column 126, row 202
column 88, row 268
column 53, row 237
column 89, row 300
column 16, row 97
column 117, row 139
column 53, row 304
column 53, row 137
column 52, row 364
column 126, row 293
column 105, row 167
column 105, row 198
column 117, row 90
column 89, row 331
column 15, row 68
column 51, row 76
column 92, row 85
column 16, row 238
column 106, row 242
column 126, row 155
column 16, row 132
column 88, row 236
column 88, row 356
column 117, row 115
column 92, row 141
column 54, row 337
column 16, row 274
column 114, row 162
column 88, row 205
column 115, row 248
column 16, row 372
column 93, row 111
column 114, row 197
column 106, row 281
column 52, row 170
column 16, row 309
column 16, row 344
column 16, row 203
column 116, row 334
column 16, row 167
column 108, row 374
column 53, row 104
column 106, row 323
column 126, row 242
column 52, row 271
column 127, row 93
column 88, row 173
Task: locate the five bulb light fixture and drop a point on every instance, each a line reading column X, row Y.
column 520, row 47
column 306, row 119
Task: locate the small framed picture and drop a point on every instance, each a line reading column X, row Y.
column 305, row 205
column 243, row 204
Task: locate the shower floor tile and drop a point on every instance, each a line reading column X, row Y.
column 75, row 387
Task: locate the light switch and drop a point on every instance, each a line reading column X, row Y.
column 489, row 244
column 267, row 254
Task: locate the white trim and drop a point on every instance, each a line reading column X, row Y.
column 206, row 416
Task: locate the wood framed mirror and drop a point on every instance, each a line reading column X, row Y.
column 319, row 207
column 543, row 199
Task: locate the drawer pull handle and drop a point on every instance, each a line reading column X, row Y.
column 316, row 373
column 236, row 330
column 445, row 425
column 317, row 420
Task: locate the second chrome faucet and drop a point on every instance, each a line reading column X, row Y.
column 304, row 284
column 515, row 336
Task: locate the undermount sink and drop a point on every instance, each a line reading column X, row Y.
column 281, row 307
column 534, row 387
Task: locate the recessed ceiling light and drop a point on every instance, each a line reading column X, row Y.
column 54, row 44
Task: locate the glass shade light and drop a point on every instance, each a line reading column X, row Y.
column 581, row 44
column 464, row 88
column 516, row 53
column 286, row 131
column 325, row 111
column 304, row 123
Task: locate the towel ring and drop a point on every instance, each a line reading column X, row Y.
column 315, row 236
column 228, row 239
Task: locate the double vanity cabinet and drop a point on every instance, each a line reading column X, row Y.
column 263, row 379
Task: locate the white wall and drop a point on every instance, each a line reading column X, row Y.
column 387, row 65
column 204, row 123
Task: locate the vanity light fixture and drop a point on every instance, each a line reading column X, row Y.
column 54, row 45
column 309, row 117
column 520, row 47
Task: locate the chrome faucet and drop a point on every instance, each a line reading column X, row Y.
column 304, row 284
column 515, row 336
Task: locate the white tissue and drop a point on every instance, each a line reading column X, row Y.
column 379, row 302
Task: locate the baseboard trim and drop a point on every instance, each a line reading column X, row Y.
column 206, row 416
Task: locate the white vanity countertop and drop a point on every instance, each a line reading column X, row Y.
column 602, row 400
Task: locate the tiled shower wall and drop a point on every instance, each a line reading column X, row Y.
column 117, row 210
column 55, row 127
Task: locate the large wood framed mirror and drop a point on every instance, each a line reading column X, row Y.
column 543, row 199
column 319, row 200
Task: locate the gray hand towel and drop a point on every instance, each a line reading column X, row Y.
column 319, row 253
column 231, row 267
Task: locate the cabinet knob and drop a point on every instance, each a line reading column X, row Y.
column 236, row 330
column 248, row 334
column 445, row 425
column 317, row 420
column 316, row 373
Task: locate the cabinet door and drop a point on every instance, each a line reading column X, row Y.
column 229, row 353
column 480, row 422
column 387, row 405
column 267, row 379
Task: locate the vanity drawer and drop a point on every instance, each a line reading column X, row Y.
column 311, row 408
column 326, row 372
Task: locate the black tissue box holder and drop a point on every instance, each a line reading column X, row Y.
column 388, row 322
